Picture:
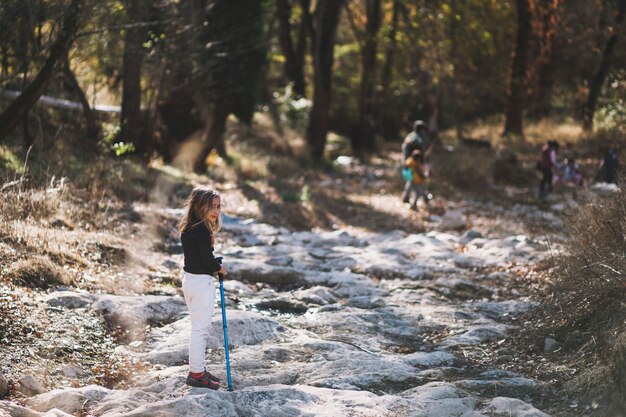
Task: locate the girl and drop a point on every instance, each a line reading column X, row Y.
column 198, row 227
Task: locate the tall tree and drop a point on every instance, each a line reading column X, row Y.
column 93, row 129
column 605, row 64
column 229, row 66
column 325, row 20
column 547, row 14
column 294, row 52
column 363, row 137
column 135, row 36
column 29, row 96
column 514, row 116
column 387, row 119
column 454, row 58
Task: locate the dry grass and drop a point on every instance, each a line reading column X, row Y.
column 38, row 272
column 469, row 171
column 587, row 306
column 535, row 133
column 591, row 285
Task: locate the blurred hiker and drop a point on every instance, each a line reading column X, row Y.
column 418, row 139
column 546, row 163
column 415, row 178
column 609, row 165
column 200, row 222
column 570, row 173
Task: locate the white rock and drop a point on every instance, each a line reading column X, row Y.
column 169, row 344
column 73, row 372
column 434, row 391
column 453, row 220
column 512, row 407
column 14, row 410
column 316, row 295
column 604, row 188
column 477, row 334
column 69, row 299
column 449, row 407
column 56, row 413
column 138, row 311
column 424, row 359
column 70, row 400
column 29, row 386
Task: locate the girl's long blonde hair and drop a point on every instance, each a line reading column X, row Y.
column 196, row 210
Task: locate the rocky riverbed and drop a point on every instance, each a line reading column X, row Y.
column 349, row 322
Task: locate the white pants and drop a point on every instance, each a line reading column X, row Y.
column 199, row 292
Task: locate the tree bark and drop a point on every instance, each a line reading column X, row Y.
column 294, row 56
column 363, row 137
column 456, row 101
column 545, row 86
column 93, row 130
column 607, row 59
column 545, row 68
column 213, row 135
column 325, row 20
column 18, row 108
column 130, row 117
column 514, row 117
column 388, row 122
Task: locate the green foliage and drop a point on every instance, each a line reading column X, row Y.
column 301, row 197
column 112, row 142
column 123, row 148
column 294, row 110
column 612, row 116
column 10, row 162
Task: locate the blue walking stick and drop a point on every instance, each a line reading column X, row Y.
column 230, row 385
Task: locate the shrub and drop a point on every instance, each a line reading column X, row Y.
column 590, row 286
column 588, row 300
column 38, row 272
column 19, row 203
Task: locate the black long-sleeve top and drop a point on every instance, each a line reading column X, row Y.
column 198, row 251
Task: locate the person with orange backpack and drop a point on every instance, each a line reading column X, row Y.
column 415, row 176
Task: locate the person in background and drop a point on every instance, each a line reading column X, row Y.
column 609, row 165
column 200, row 222
column 570, row 173
column 546, row 164
column 418, row 139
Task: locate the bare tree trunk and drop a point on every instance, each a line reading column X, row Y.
column 545, row 86
column 454, row 57
column 546, row 62
column 18, row 108
column 294, row 56
column 213, row 135
column 93, row 130
column 388, row 122
column 325, row 20
column 514, row 117
column 607, row 59
column 130, row 117
column 363, row 137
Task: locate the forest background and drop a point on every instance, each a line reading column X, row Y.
column 362, row 70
